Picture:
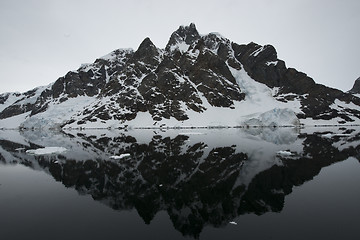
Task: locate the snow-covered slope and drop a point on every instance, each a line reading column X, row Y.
column 196, row 81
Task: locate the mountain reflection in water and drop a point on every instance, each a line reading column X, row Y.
column 199, row 177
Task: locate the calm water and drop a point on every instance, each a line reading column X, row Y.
column 181, row 184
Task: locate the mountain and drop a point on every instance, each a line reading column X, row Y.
column 356, row 88
column 196, row 81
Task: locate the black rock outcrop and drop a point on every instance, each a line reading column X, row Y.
column 356, row 88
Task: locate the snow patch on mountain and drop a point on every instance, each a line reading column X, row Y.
column 11, row 98
column 271, row 63
column 14, row 122
column 259, row 97
column 181, row 46
column 310, row 122
column 341, row 106
column 58, row 114
column 21, row 99
column 114, row 55
column 258, row 51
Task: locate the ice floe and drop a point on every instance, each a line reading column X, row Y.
column 46, row 150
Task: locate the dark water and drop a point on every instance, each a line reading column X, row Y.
column 182, row 184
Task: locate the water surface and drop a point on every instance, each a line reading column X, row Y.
column 181, row 184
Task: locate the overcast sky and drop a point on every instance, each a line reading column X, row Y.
column 41, row 40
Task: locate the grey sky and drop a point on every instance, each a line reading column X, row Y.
column 41, row 40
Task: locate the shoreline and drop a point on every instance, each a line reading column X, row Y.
column 181, row 127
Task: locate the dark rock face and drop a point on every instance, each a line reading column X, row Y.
column 356, row 88
column 187, row 34
column 170, row 77
column 4, row 98
column 192, row 72
column 14, row 110
column 23, row 103
column 262, row 64
column 147, row 53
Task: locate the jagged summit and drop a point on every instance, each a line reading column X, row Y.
column 147, row 52
column 356, row 88
column 196, row 81
column 182, row 38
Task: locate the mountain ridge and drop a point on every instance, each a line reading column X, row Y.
column 195, row 81
column 356, row 87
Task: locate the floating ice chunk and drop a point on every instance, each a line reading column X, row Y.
column 46, row 150
column 275, row 117
column 121, row 156
column 330, row 135
column 191, row 133
column 284, row 153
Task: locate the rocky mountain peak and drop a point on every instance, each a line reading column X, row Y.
column 182, row 37
column 147, row 52
column 356, row 88
column 197, row 80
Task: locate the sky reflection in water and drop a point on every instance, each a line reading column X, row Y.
column 181, row 183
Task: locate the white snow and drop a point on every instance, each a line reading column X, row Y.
column 218, row 35
column 86, row 66
column 21, row 98
column 191, row 133
column 14, row 122
column 273, row 118
column 11, row 98
column 330, row 135
column 181, row 46
column 321, row 122
column 14, row 135
column 109, row 56
column 46, row 150
column 257, row 51
column 121, row 156
column 57, row 114
column 271, row 63
column 284, row 153
column 339, row 105
column 112, row 55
